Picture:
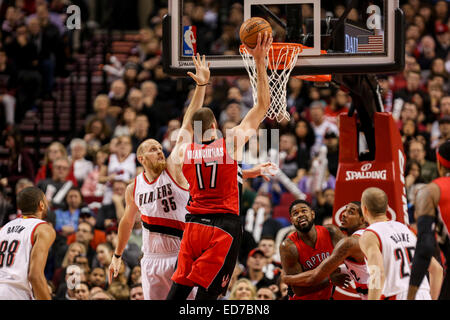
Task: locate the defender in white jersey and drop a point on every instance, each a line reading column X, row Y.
column 346, row 255
column 389, row 249
column 24, row 246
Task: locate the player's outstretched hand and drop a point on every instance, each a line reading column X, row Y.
column 262, row 46
column 340, row 279
column 114, row 268
column 202, row 72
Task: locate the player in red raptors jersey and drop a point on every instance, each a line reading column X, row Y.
column 211, row 240
column 432, row 208
column 24, row 246
column 306, row 248
column 346, row 251
column 159, row 195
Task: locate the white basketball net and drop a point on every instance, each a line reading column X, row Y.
column 278, row 79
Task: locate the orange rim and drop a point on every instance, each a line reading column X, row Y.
column 277, row 47
column 315, row 78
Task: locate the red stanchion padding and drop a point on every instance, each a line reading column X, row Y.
column 385, row 172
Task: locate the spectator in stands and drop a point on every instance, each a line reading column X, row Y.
column 445, row 111
column 135, row 276
column 66, row 290
column 82, row 291
column 141, row 132
column 339, row 104
column 136, row 292
column 97, row 278
column 29, row 80
column 232, row 112
column 102, row 106
column 427, row 49
column 103, row 257
column 110, row 214
column 20, row 163
column 167, row 140
column 261, row 213
column 305, row 140
column 127, row 123
column 119, row 291
column 296, row 99
column 97, row 135
column 320, row 124
column 444, row 128
column 135, row 100
column 273, row 266
column 45, row 35
column 118, row 94
column 331, row 141
column 121, row 166
column 68, row 216
column 443, row 40
column 412, row 86
column 85, row 235
column 243, row 289
column 265, row 293
column 56, row 187
column 80, row 166
column 256, row 262
column 54, row 151
column 100, row 295
column 324, row 206
column 417, row 152
column 8, row 87
column 75, row 249
column 288, row 154
column 92, row 186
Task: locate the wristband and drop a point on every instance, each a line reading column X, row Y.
column 202, row 85
column 117, row 256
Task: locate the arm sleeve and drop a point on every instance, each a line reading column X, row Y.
column 425, row 248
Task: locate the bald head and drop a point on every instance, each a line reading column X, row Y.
column 375, row 200
column 145, row 146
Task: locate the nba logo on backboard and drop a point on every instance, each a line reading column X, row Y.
column 189, row 40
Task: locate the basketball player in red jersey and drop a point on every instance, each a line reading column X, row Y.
column 159, row 195
column 306, row 248
column 432, row 210
column 346, row 251
column 211, row 240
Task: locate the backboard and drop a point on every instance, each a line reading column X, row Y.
column 358, row 36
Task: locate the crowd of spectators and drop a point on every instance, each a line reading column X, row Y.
column 85, row 177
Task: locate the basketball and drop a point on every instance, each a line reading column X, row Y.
column 250, row 29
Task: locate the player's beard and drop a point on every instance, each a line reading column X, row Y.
column 158, row 167
column 304, row 229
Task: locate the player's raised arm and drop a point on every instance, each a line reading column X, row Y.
column 125, row 226
column 370, row 246
column 44, row 236
column 256, row 115
column 201, row 78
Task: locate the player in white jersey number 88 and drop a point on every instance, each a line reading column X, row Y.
column 24, row 246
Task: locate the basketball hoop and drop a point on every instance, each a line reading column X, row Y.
column 282, row 58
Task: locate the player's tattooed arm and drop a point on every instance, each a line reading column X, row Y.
column 343, row 249
column 291, row 266
column 335, row 233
